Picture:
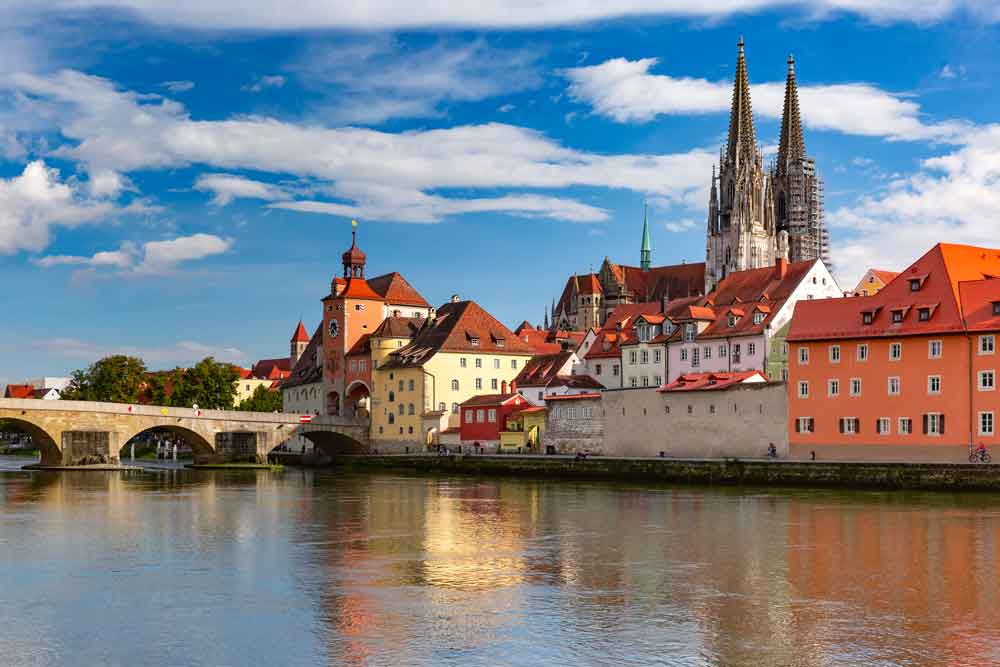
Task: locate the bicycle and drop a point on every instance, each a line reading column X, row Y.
column 980, row 456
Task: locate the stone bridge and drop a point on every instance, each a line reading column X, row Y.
column 77, row 432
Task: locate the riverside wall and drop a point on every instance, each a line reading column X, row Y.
column 844, row 474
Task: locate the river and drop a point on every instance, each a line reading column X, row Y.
column 304, row 567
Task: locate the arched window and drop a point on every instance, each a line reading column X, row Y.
column 392, row 396
column 409, row 408
column 454, row 385
column 402, row 409
column 411, row 385
column 392, row 418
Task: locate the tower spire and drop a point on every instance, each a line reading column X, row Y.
column 741, row 131
column 791, row 145
column 645, row 253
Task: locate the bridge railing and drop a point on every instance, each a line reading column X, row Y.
column 35, row 404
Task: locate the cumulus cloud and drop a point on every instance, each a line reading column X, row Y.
column 626, row 91
column 35, row 201
column 685, row 225
column 264, row 82
column 150, row 259
column 374, row 78
column 227, row 187
column 382, row 172
column 389, row 14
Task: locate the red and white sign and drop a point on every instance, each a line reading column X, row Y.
column 131, row 409
column 305, row 419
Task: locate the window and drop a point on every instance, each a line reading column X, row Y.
column 454, row 385
column 894, row 386
column 392, row 396
column 834, row 354
column 359, row 306
column 722, row 351
column 645, row 356
column 883, row 426
column 634, row 382
column 392, row 418
column 474, row 341
column 803, row 389
column 987, row 380
column 805, row 425
column 863, row 352
column 933, row 384
column 402, row 409
column 442, row 407
column 454, row 408
column 480, row 416
column 986, row 344
column 513, row 364
column 597, row 369
column 758, row 317
column 803, row 356
column 915, row 284
column 645, row 381
column 695, row 360
column 736, row 353
column 684, row 354
column 539, row 395
column 985, row 423
column 784, row 374
column 923, row 314
column 401, row 385
column 632, row 357
column 850, row 425
column 496, row 363
column 492, row 416
column 706, row 353
column 711, row 409
column 732, row 321
column 866, row 318
column 895, row 351
column 493, row 383
column 934, row 349
column 905, row 426
column 996, row 307
column 784, row 349
column 934, row 423
column 479, row 362
column 897, row 316
column 501, row 342
column 657, row 356
column 751, row 349
column 463, row 362
column 616, row 370
column 833, row 387
column 410, row 409
column 657, row 380
column 353, row 365
column 855, row 386
column 689, row 333
column 479, row 383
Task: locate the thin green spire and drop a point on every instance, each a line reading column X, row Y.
column 646, row 252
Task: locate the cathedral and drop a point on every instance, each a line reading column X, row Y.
column 755, row 215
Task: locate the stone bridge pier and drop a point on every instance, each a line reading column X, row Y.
column 71, row 433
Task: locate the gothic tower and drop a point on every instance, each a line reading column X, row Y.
column 798, row 190
column 741, row 229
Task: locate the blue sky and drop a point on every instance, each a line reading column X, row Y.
column 178, row 179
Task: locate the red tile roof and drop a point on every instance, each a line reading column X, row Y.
column 358, row 288
column 571, row 397
column 361, row 346
column 978, row 299
column 397, row 291
column 885, row 276
column 589, row 284
column 939, row 273
column 756, row 284
column 542, row 369
column 19, row 391
column 399, row 327
column 307, row 369
column 459, row 326
column 274, row 369
column 490, row 399
column 300, row 335
column 712, row 381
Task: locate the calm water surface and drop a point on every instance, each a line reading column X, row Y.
column 314, row 568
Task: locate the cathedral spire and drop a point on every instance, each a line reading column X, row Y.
column 791, row 146
column 645, row 253
column 741, row 132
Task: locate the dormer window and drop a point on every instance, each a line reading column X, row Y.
column 923, row 314
column 474, row 341
column 866, row 318
column 897, row 316
column 915, row 285
column 500, row 342
column 689, row 333
column 996, row 307
column 732, row 321
column 758, row 317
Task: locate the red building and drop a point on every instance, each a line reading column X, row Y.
column 484, row 416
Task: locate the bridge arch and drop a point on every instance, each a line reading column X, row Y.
column 49, row 445
column 200, row 445
column 331, row 443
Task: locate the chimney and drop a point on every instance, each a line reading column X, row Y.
column 503, row 387
column 781, row 268
column 513, row 387
column 454, row 298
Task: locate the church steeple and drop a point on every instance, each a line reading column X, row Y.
column 791, row 146
column 646, row 252
column 741, row 131
column 354, row 259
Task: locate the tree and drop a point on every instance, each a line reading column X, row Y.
column 115, row 379
column 263, row 399
column 209, row 384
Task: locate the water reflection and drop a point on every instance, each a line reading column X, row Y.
column 309, row 567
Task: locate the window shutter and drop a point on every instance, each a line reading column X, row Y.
column 798, row 426
column 941, row 420
column 925, row 424
column 841, row 422
column 878, row 425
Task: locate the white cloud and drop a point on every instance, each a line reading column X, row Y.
column 37, row 200
column 680, row 226
column 626, row 91
column 506, row 108
column 151, row 259
column 948, row 199
column 377, row 171
column 389, row 14
column 264, row 82
column 178, row 86
column 180, row 353
column 375, row 78
column 227, row 187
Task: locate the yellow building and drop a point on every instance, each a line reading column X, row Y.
column 873, row 281
column 245, row 387
column 524, row 431
column 461, row 352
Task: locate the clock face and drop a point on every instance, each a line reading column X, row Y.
column 334, row 328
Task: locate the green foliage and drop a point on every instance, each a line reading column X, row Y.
column 115, row 379
column 262, row 400
column 209, row 384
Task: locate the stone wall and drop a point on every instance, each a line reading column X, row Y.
column 574, row 425
column 732, row 423
column 88, row 447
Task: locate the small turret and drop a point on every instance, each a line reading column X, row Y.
column 298, row 345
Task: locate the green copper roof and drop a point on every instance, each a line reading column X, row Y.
column 647, row 250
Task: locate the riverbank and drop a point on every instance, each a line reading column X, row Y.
column 757, row 472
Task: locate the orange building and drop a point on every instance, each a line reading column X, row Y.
column 906, row 374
